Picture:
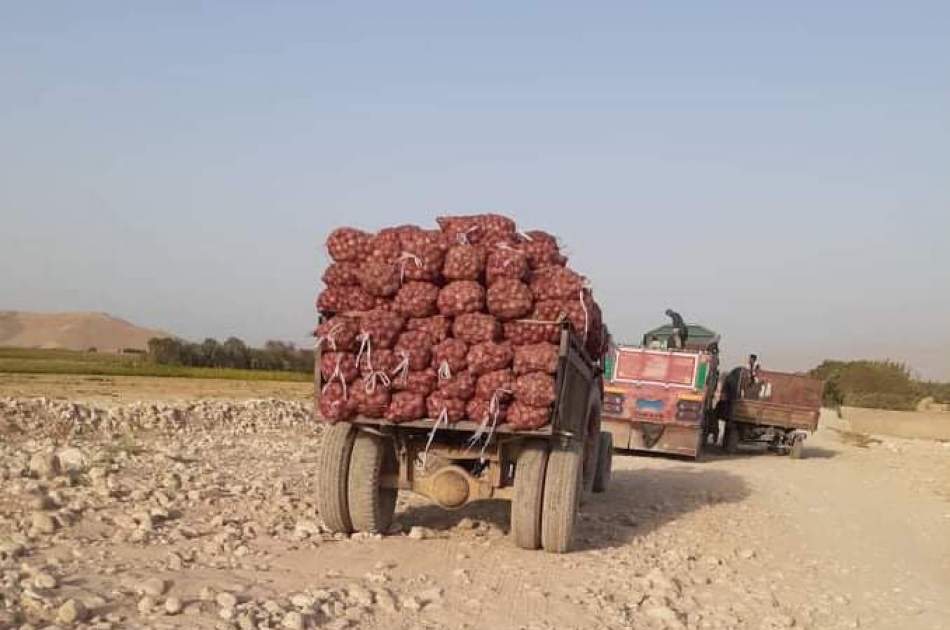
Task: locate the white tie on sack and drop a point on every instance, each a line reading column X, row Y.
column 366, row 346
column 403, row 259
column 401, row 371
column 443, row 418
column 371, row 380
column 330, row 336
column 492, row 415
column 462, row 237
column 337, row 373
column 445, row 372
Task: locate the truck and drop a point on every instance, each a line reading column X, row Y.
column 661, row 400
column 778, row 409
column 365, row 462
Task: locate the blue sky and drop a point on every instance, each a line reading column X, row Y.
column 779, row 172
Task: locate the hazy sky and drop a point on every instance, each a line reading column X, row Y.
column 777, row 171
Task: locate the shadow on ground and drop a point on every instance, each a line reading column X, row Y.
column 636, row 503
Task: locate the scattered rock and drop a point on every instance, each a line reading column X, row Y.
column 72, row 460
column 44, row 581
column 44, row 466
column 73, row 611
column 227, row 600
column 154, row 587
column 419, row 533
column 173, row 606
column 293, row 621
column 43, row 523
column 146, row 605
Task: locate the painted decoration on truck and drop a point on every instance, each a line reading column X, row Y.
column 656, row 367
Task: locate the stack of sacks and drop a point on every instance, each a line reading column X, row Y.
column 461, row 322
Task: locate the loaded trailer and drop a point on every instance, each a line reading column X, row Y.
column 365, row 462
column 778, row 409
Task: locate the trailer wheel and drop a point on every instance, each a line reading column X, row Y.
column 371, row 505
column 562, row 491
column 604, row 462
column 591, row 448
column 529, row 494
column 332, row 467
column 730, row 441
column 797, row 449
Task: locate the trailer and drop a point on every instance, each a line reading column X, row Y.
column 365, row 462
column 776, row 408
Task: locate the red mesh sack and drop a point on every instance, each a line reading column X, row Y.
column 459, row 385
column 344, row 299
column 332, row 300
column 474, row 228
column 341, row 274
column 464, row 262
column 520, row 333
column 382, row 328
column 540, row 357
column 337, row 365
column 522, row 416
column 347, row 244
column 461, row 229
column 579, row 311
column 417, row 299
column 475, row 328
column 489, row 356
column 439, row 404
column 458, row 298
column 384, row 247
column 535, row 389
column 416, row 348
column 383, row 304
column 556, row 283
column 482, row 411
column 371, row 401
column 541, row 250
column 382, row 361
column 438, row 326
column 498, row 383
column 379, row 279
column 406, row 407
column 338, row 334
column 422, row 260
column 509, row 299
column 335, row 405
column 422, row 382
column 450, row 356
column 505, row 262
column 549, row 311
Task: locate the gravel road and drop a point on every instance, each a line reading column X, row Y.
column 203, row 516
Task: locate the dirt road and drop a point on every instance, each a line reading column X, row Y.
column 216, row 528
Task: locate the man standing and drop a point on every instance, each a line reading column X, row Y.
column 680, row 333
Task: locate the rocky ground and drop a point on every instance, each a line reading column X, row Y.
column 201, row 515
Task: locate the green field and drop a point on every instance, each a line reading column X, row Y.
column 35, row 361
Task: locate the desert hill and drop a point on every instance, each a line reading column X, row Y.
column 72, row 331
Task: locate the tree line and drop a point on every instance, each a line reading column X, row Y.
column 231, row 353
column 876, row 384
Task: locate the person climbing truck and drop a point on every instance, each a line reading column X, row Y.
column 680, row 332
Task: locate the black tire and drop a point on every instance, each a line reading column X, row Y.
column 604, row 462
column 529, row 495
column 562, row 491
column 371, row 506
column 591, row 448
column 730, row 441
column 797, row 451
column 333, row 467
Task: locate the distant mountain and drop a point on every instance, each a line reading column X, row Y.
column 72, row 331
